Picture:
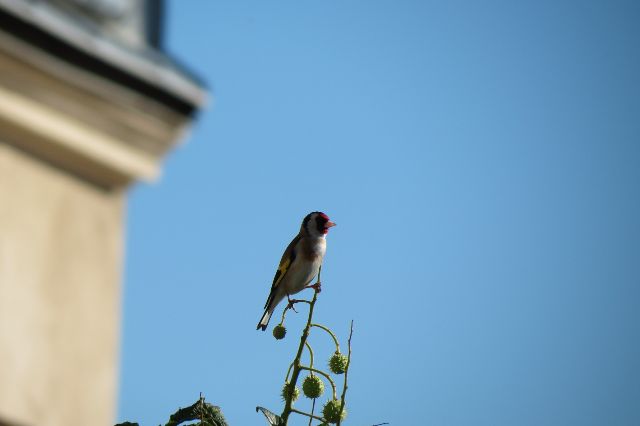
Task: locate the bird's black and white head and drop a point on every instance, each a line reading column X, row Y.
column 316, row 224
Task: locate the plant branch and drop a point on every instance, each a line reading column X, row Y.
column 296, row 361
column 288, row 371
column 313, row 409
column 346, row 372
column 333, row 336
column 310, row 354
column 293, row 410
column 284, row 312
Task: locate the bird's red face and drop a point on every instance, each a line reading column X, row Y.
column 324, row 223
column 316, row 224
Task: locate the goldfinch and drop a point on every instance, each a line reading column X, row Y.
column 300, row 262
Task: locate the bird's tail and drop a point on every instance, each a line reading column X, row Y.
column 264, row 321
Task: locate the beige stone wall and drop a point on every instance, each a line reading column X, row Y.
column 61, row 244
column 72, row 138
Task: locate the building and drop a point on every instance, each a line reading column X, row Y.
column 88, row 105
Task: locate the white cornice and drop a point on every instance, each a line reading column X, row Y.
column 66, row 134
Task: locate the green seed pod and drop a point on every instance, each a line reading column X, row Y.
column 312, row 387
column 287, row 390
column 331, row 411
column 338, row 363
column 279, row 331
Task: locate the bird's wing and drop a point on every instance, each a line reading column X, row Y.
column 288, row 257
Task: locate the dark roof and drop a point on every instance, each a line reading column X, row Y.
column 145, row 70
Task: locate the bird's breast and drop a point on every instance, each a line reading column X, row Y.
column 313, row 249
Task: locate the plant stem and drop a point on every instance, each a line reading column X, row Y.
column 346, row 371
column 313, row 409
column 333, row 336
column 293, row 410
column 284, row 312
column 310, row 354
column 286, row 379
column 296, row 362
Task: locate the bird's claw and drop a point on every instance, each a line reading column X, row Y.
column 291, row 304
column 317, row 287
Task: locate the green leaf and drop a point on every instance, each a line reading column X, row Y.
column 272, row 418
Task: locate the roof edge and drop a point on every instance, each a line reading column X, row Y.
column 145, row 71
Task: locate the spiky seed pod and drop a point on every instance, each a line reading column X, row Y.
column 279, row 331
column 312, row 387
column 287, row 390
column 338, row 363
column 331, row 411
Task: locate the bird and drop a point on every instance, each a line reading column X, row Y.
column 300, row 262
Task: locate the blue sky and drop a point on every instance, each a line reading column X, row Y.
column 482, row 161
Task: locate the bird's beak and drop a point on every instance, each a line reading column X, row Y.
column 330, row 224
